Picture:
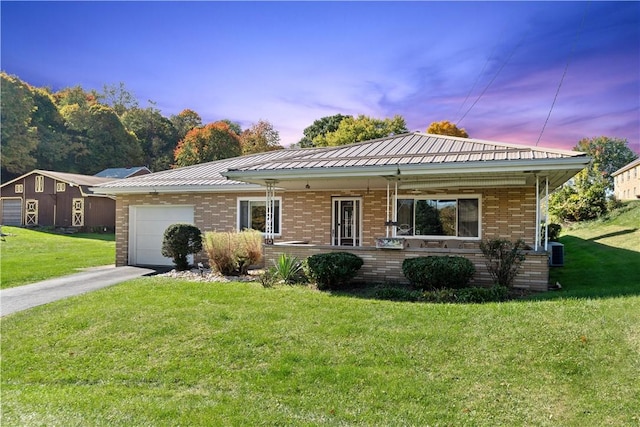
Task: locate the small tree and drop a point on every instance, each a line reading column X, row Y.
column 181, row 240
column 503, row 259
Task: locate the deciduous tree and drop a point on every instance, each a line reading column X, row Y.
column 607, row 156
column 259, row 138
column 320, row 128
column 184, row 121
column 118, row 98
column 19, row 135
column 445, row 127
column 54, row 142
column 215, row 141
column 156, row 134
column 362, row 128
column 585, row 197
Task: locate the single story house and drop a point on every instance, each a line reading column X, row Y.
column 626, row 181
column 121, row 173
column 56, row 199
column 385, row 200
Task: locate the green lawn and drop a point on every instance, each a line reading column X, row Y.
column 28, row 256
column 157, row 351
column 602, row 258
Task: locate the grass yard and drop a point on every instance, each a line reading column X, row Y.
column 158, row 351
column 28, row 256
column 602, row 258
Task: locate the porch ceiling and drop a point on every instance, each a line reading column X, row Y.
column 423, row 183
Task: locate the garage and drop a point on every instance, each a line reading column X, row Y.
column 11, row 212
column 147, row 225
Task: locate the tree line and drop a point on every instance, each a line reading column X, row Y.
column 79, row 131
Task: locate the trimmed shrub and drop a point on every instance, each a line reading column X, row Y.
column 396, row 293
column 332, row 270
column 180, row 241
column 470, row 295
column 503, row 259
column 438, row 272
column 232, row 253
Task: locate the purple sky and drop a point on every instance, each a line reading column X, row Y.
column 495, row 65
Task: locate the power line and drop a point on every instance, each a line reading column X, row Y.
column 566, row 67
column 493, row 79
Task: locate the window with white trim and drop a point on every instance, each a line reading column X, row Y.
column 61, row 187
column 19, row 188
column 39, row 184
column 252, row 213
column 439, row 217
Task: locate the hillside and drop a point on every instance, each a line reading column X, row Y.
column 602, row 257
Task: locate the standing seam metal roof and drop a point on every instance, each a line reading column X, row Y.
column 409, row 149
column 404, row 149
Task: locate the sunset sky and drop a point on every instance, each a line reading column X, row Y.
column 492, row 67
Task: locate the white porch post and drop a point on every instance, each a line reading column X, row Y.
column 268, row 232
column 537, row 239
column 546, row 216
column 395, row 210
column 387, row 221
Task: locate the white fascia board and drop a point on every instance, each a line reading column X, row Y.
column 170, row 189
column 496, row 166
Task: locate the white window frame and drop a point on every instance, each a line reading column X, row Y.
column 455, row 197
column 61, row 187
column 19, row 189
column 278, row 199
column 39, row 184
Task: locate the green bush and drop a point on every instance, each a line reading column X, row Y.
column 503, row 259
column 554, row 232
column 332, row 270
column 396, row 293
column 468, row 295
column 180, row 241
column 437, row 272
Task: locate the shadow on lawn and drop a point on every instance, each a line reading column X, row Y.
column 615, row 234
column 594, row 270
column 106, row 236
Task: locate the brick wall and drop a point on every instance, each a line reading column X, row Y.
column 385, row 266
column 306, row 216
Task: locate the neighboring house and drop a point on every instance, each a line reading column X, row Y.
column 385, row 200
column 626, row 181
column 122, row 173
column 56, row 199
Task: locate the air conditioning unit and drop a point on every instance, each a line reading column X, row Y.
column 556, row 254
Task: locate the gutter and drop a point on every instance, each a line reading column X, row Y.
column 170, row 189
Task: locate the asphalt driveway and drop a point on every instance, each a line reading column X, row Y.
column 27, row 296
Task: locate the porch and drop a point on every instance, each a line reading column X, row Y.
column 385, row 265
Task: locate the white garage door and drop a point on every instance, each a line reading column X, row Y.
column 146, row 230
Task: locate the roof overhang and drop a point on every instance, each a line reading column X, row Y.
column 172, row 189
column 441, row 175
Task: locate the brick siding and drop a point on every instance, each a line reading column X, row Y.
column 306, row 216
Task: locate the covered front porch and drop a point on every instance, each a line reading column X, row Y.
column 385, row 265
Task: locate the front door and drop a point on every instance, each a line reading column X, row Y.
column 347, row 221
